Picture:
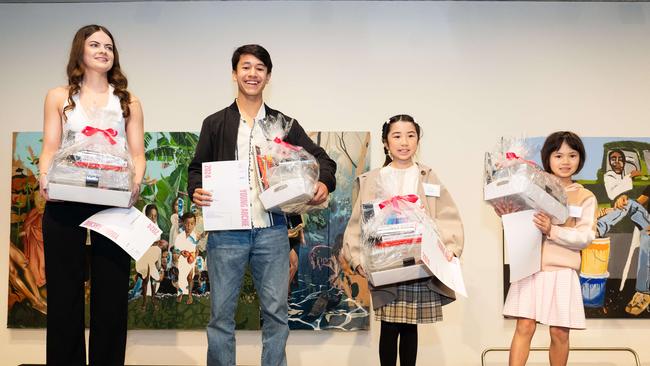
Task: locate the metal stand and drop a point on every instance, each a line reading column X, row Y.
column 572, row 349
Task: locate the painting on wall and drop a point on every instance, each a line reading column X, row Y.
column 324, row 293
column 615, row 267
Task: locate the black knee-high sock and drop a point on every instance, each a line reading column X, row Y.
column 408, row 344
column 388, row 343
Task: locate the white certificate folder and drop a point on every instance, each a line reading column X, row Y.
column 127, row 227
column 523, row 244
column 230, row 208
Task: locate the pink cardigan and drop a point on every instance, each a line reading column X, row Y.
column 561, row 249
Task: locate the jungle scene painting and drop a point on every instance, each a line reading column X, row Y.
column 324, row 291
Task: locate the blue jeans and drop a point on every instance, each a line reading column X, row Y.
column 640, row 217
column 267, row 251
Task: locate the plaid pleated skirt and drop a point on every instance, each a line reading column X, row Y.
column 415, row 304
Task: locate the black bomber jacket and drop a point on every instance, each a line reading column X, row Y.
column 218, row 142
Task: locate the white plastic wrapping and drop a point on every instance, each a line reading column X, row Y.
column 512, row 179
column 92, row 158
column 287, row 173
column 393, row 228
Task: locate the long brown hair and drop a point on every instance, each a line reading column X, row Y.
column 76, row 69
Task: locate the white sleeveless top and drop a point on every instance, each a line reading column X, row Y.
column 109, row 116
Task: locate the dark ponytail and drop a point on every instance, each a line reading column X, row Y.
column 385, row 129
column 384, row 135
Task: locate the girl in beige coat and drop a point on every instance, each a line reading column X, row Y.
column 400, row 307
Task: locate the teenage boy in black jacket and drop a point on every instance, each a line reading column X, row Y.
column 229, row 135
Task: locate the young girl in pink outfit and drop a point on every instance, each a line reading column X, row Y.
column 553, row 296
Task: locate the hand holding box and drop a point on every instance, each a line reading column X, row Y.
column 391, row 235
column 93, row 165
column 512, row 180
column 287, row 174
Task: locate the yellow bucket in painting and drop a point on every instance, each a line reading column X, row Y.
column 595, row 257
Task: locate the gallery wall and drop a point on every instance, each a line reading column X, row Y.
column 469, row 72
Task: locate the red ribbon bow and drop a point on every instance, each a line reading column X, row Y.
column 394, row 201
column 279, row 141
column 109, row 133
column 513, row 156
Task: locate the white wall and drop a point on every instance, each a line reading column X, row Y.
column 469, row 72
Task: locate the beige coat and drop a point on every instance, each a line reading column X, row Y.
column 441, row 209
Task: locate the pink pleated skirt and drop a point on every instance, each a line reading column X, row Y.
column 551, row 298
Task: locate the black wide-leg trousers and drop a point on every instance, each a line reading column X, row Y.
column 67, row 262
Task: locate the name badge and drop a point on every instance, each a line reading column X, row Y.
column 575, row 211
column 431, row 190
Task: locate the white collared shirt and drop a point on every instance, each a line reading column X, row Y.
column 246, row 139
column 616, row 184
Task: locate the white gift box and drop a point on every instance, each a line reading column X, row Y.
column 521, row 188
column 395, row 249
column 394, row 259
column 98, row 196
column 91, row 174
column 285, row 192
column 401, row 274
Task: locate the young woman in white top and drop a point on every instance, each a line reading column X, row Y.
column 95, row 84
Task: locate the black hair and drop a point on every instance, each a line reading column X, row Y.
column 187, row 216
column 553, row 143
column 148, row 208
column 609, row 155
column 252, row 49
column 385, row 129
